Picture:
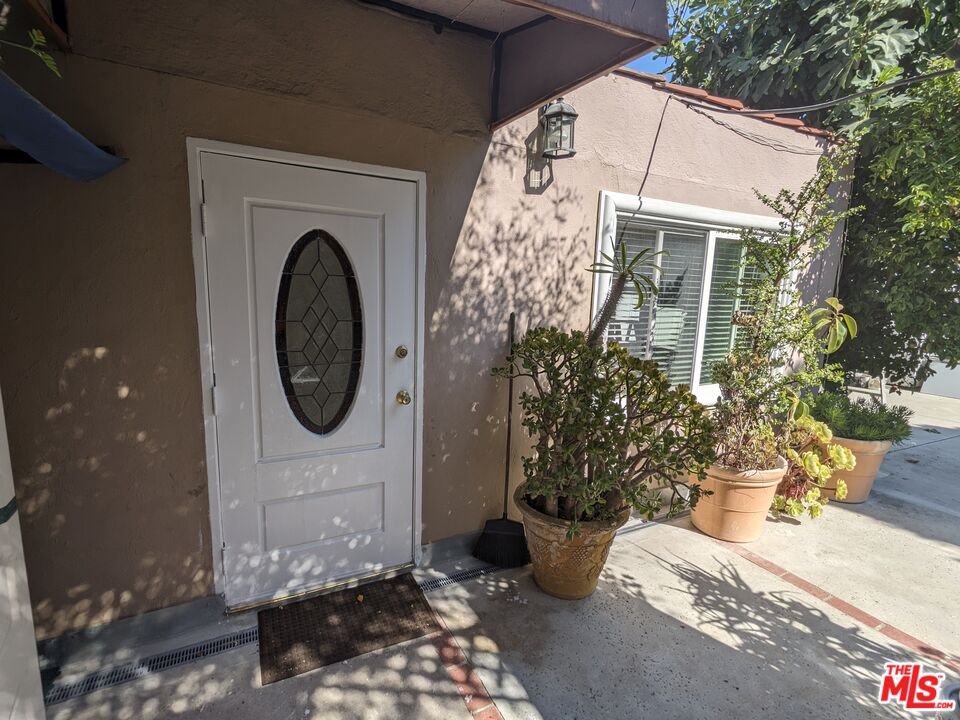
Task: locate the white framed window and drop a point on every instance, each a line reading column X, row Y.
column 687, row 327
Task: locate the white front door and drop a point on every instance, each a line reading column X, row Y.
column 20, row 695
column 312, row 290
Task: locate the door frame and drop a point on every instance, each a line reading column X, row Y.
column 196, row 146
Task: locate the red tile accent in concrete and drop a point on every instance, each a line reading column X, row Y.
column 448, row 649
column 893, row 633
column 864, row 618
column 470, row 686
column 754, row 558
column 815, row 590
column 489, row 713
column 461, row 671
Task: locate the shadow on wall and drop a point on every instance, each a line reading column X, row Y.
column 820, row 280
column 516, row 252
column 539, row 174
column 97, row 465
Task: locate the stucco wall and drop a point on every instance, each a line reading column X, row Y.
column 529, row 235
column 100, row 365
column 100, row 361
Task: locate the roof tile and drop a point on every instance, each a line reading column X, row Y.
column 725, row 102
column 684, row 90
column 786, row 122
column 660, row 82
column 815, row 131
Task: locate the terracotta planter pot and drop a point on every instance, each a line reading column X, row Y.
column 566, row 568
column 869, row 454
column 737, row 510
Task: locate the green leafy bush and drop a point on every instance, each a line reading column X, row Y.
column 761, row 414
column 759, row 398
column 609, row 429
column 862, row 419
column 812, row 458
column 902, row 256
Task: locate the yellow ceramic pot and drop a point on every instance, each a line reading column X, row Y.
column 567, row 568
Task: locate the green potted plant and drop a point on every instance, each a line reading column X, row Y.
column 868, row 429
column 814, row 460
column 769, row 457
column 610, row 433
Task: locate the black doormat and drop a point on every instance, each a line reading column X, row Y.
column 331, row 628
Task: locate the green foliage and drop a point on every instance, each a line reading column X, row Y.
column 635, row 271
column 812, row 458
column 775, row 53
column 860, row 419
column 902, row 257
column 900, row 268
column 760, row 401
column 609, row 429
column 38, row 42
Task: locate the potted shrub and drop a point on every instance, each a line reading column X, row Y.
column 814, row 459
column 868, row 429
column 768, row 455
column 610, row 434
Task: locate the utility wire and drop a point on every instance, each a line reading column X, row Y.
column 829, row 103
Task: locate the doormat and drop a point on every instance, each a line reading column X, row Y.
column 309, row 634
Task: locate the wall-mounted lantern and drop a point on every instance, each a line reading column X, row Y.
column 557, row 119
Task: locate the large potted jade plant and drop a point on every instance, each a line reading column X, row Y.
column 610, row 436
column 770, row 455
column 868, row 429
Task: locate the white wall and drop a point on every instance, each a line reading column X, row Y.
column 20, row 694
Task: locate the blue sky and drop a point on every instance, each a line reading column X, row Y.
column 648, row 63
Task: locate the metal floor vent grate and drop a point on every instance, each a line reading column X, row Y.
column 118, row 674
column 135, row 670
column 457, row 578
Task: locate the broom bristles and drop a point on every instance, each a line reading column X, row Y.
column 502, row 543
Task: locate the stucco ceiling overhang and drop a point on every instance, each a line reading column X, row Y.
column 543, row 48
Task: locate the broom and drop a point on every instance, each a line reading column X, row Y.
column 502, row 542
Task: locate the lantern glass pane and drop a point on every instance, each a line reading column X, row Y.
column 553, row 133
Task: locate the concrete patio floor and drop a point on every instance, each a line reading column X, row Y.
column 795, row 625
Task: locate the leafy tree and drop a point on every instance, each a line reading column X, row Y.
column 776, row 53
column 901, row 260
column 901, row 275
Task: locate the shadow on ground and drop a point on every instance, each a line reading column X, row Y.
column 667, row 637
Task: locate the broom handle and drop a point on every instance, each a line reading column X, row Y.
column 506, row 468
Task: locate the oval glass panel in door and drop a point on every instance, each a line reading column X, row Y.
column 319, row 332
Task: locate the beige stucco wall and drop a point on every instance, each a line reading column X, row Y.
column 100, row 365
column 527, row 250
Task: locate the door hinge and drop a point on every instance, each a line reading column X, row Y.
column 213, row 395
column 203, row 219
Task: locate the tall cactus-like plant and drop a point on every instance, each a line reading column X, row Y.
column 625, row 271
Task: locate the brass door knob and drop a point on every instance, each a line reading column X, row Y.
column 401, row 351
column 403, row 397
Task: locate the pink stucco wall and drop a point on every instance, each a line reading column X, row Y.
column 100, row 369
